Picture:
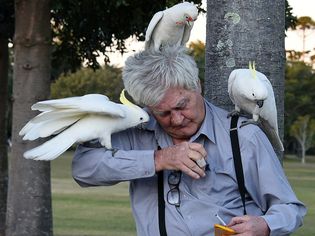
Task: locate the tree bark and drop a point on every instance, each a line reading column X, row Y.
column 242, row 31
column 29, row 194
column 4, row 63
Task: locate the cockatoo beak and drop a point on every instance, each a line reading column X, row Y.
column 190, row 21
column 260, row 103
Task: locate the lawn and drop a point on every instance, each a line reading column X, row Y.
column 105, row 211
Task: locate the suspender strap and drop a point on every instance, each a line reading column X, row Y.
column 237, row 159
column 161, row 204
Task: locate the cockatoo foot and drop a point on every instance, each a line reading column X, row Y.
column 233, row 113
column 247, row 122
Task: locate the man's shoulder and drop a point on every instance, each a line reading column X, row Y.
column 223, row 120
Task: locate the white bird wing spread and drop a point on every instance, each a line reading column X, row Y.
column 88, row 128
column 52, row 148
column 91, row 103
column 154, row 21
column 60, row 113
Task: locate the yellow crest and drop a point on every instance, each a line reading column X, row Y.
column 252, row 69
column 124, row 100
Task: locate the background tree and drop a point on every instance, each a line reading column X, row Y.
column 106, row 80
column 238, row 33
column 85, row 29
column 303, row 129
column 299, row 97
column 29, row 197
column 307, row 26
column 6, row 32
column 197, row 50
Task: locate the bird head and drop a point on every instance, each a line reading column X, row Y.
column 256, row 89
column 184, row 13
column 138, row 116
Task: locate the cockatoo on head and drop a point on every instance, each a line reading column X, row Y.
column 171, row 26
column 252, row 92
column 78, row 119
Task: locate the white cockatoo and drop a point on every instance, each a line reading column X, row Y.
column 171, row 27
column 78, row 119
column 252, row 92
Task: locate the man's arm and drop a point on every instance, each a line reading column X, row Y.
column 269, row 188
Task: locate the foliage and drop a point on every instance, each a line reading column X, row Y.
column 299, row 95
column 84, row 29
column 197, row 50
column 106, row 81
column 6, row 19
column 290, row 19
column 303, row 129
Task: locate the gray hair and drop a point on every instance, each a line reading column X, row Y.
column 148, row 74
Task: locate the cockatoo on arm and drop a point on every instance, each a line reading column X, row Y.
column 252, row 92
column 78, row 119
column 171, row 26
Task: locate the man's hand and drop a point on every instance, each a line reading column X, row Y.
column 182, row 157
column 249, row 226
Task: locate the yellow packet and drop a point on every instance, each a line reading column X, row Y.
column 220, row 230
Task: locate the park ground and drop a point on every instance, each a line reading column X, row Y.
column 105, row 211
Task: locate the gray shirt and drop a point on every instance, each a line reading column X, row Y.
column 269, row 193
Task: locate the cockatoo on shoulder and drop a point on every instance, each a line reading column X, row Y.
column 252, row 92
column 171, row 26
column 76, row 120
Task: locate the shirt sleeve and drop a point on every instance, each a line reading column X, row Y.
column 100, row 166
column 268, row 186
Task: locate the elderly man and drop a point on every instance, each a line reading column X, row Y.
column 184, row 130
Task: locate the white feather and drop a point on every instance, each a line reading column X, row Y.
column 245, row 90
column 78, row 119
column 171, row 26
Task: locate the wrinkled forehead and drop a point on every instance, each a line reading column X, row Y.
column 172, row 99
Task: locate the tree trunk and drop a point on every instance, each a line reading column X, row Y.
column 29, row 195
column 242, row 31
column 303, row 153
column 4, row 63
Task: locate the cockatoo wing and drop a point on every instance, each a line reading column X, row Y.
column 44, row 129
column 272, row 135
column 268, row 116
column 231, row 80
column 153, row 23
column 91, row 103
column 88, row 128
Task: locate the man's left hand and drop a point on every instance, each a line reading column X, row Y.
column 249, row 226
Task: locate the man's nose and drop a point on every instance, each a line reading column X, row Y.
column 176, row 118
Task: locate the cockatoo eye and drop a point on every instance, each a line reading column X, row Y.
column 141, row 118
column 253, row 94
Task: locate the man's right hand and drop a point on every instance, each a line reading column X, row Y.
column 183, row 157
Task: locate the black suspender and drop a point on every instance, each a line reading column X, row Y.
column 237, row 159
column 238, row 170
column 161, row 204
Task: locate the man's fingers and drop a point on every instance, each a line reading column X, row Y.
column 198, row 148
column 238, row 220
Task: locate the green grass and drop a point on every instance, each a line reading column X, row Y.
column 92, row 211
column 100, row 211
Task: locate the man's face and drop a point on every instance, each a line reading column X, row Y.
column 180, row 113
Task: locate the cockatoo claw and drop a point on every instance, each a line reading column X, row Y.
column 233, row 113
column 247, row 122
